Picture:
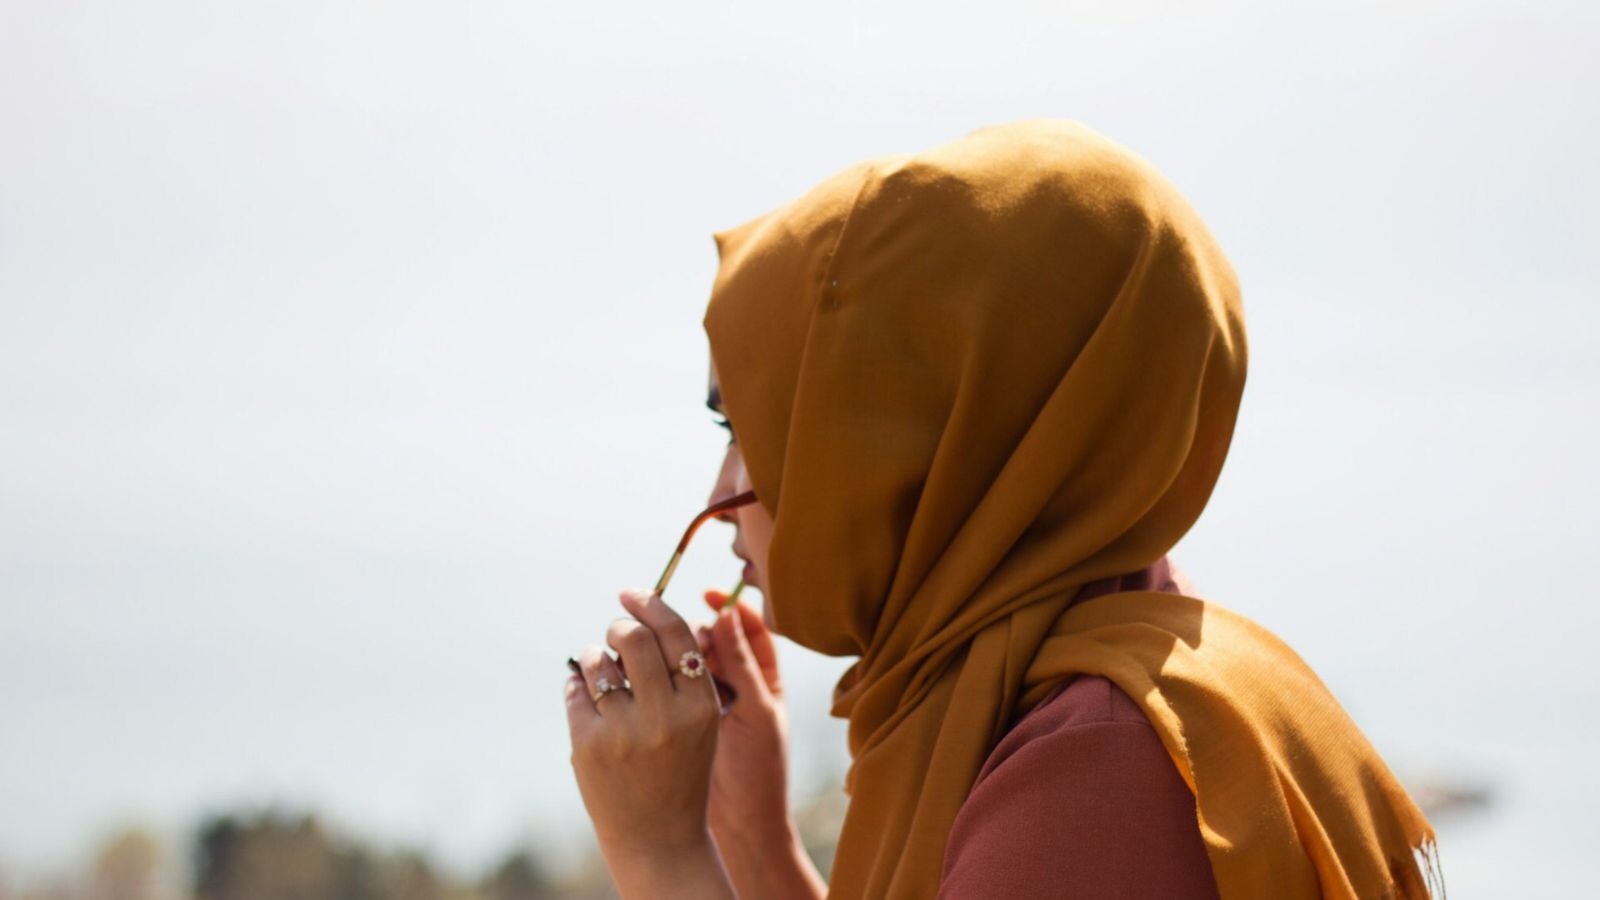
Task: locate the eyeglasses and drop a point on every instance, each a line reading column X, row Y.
column 711, row 511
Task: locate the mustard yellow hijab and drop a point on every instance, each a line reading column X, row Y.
column 965, row 383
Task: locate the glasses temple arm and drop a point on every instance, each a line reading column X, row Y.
column 733, row 502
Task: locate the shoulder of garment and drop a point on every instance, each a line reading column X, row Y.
column 1078, row 799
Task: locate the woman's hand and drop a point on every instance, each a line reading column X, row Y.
column 643, row 756
column 749, row 782
column 749, row 812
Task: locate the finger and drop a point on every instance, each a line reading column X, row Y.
column 706, row 634
column 581, row 714
column 726, row 693
column 716, row 599
column 671, row 631
column 761, row 644
column 639, row 655
column 738, row 662
column 597, row 665
column 702, row 637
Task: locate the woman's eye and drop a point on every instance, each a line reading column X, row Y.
column 725, row 424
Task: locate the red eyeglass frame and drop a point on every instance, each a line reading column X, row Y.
column 721, row 506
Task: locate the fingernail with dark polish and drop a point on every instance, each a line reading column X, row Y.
column 573, row 665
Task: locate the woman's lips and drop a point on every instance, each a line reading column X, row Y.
column 749, row 571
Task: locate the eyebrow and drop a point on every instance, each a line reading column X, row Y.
column 714, row 400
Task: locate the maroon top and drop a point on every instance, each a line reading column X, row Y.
column 1080, row 799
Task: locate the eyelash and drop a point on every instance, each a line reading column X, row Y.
column 725, row 424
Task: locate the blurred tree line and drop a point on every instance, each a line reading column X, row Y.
column 279, row 855
column 275, row 857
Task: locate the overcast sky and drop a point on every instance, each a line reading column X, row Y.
column 351, row 362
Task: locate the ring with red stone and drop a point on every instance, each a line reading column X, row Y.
column 692, row 663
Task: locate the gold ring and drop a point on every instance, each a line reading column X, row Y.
column 692, row 664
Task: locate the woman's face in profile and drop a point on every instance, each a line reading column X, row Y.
column 752, row 524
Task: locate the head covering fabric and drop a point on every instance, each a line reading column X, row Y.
column 965, row 383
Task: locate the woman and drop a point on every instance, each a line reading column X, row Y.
column 979, row 392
